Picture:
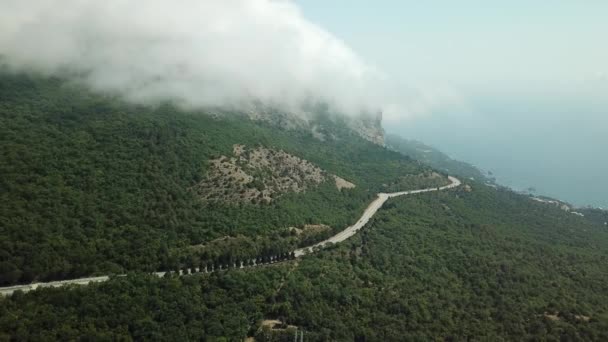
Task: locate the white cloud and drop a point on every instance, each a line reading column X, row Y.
column 199, row 52
column 403, row 103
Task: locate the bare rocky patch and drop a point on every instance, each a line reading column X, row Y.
column 260, row 175
column 342, row 183
column 310, row 229
column 557, row 316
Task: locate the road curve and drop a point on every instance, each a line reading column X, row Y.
column 368, row 213
column 341, row 236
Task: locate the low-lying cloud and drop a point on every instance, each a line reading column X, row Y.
column 197, row 52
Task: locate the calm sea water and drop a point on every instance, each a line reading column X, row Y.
column 556, row 145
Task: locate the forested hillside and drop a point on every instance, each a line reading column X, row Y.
column 599, row 216
column 434, row 158
column 483, row 264
column 219, row 171
column 92, row 185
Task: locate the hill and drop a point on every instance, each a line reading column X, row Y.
column 93, row 185
column 435, row 158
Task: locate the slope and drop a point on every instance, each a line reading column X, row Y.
column 435, row 158
column 92, row 185
column 483, row 264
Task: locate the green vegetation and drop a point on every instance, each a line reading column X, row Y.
column 92, row 185
column 484, row 265
column 455, row 265
column 430, row 179
column 599, row 216
column 221, row 307
column 436, row 159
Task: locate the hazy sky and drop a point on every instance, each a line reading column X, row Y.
column 521, row 86
column 473, row 42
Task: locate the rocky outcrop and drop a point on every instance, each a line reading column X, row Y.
column 260, row 175
column 342, row 183
column 284, row 119
column 368, row 126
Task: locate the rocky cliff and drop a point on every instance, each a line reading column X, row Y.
column 368, row 126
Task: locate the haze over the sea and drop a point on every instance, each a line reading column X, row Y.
column 557, row 145
column 519, row 88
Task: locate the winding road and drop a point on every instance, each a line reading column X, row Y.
column 368, row 214
column 341, row 236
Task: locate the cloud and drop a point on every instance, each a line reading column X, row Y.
column 404, row 103
column 197, row 52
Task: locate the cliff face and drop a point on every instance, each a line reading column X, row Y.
column 368, row 126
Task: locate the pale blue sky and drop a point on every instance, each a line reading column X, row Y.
column 531, row 77
column 472, row 41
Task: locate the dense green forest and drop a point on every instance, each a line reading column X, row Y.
column 599, row 216
column 484, row 264
column 91, row 185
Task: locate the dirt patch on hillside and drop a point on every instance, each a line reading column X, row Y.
column 260, row 175
column 275, row 324
column 310, row 229
column 556, row 316
column 342, row 183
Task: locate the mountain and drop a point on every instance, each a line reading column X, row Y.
column 93, row 185
column 435, row 158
